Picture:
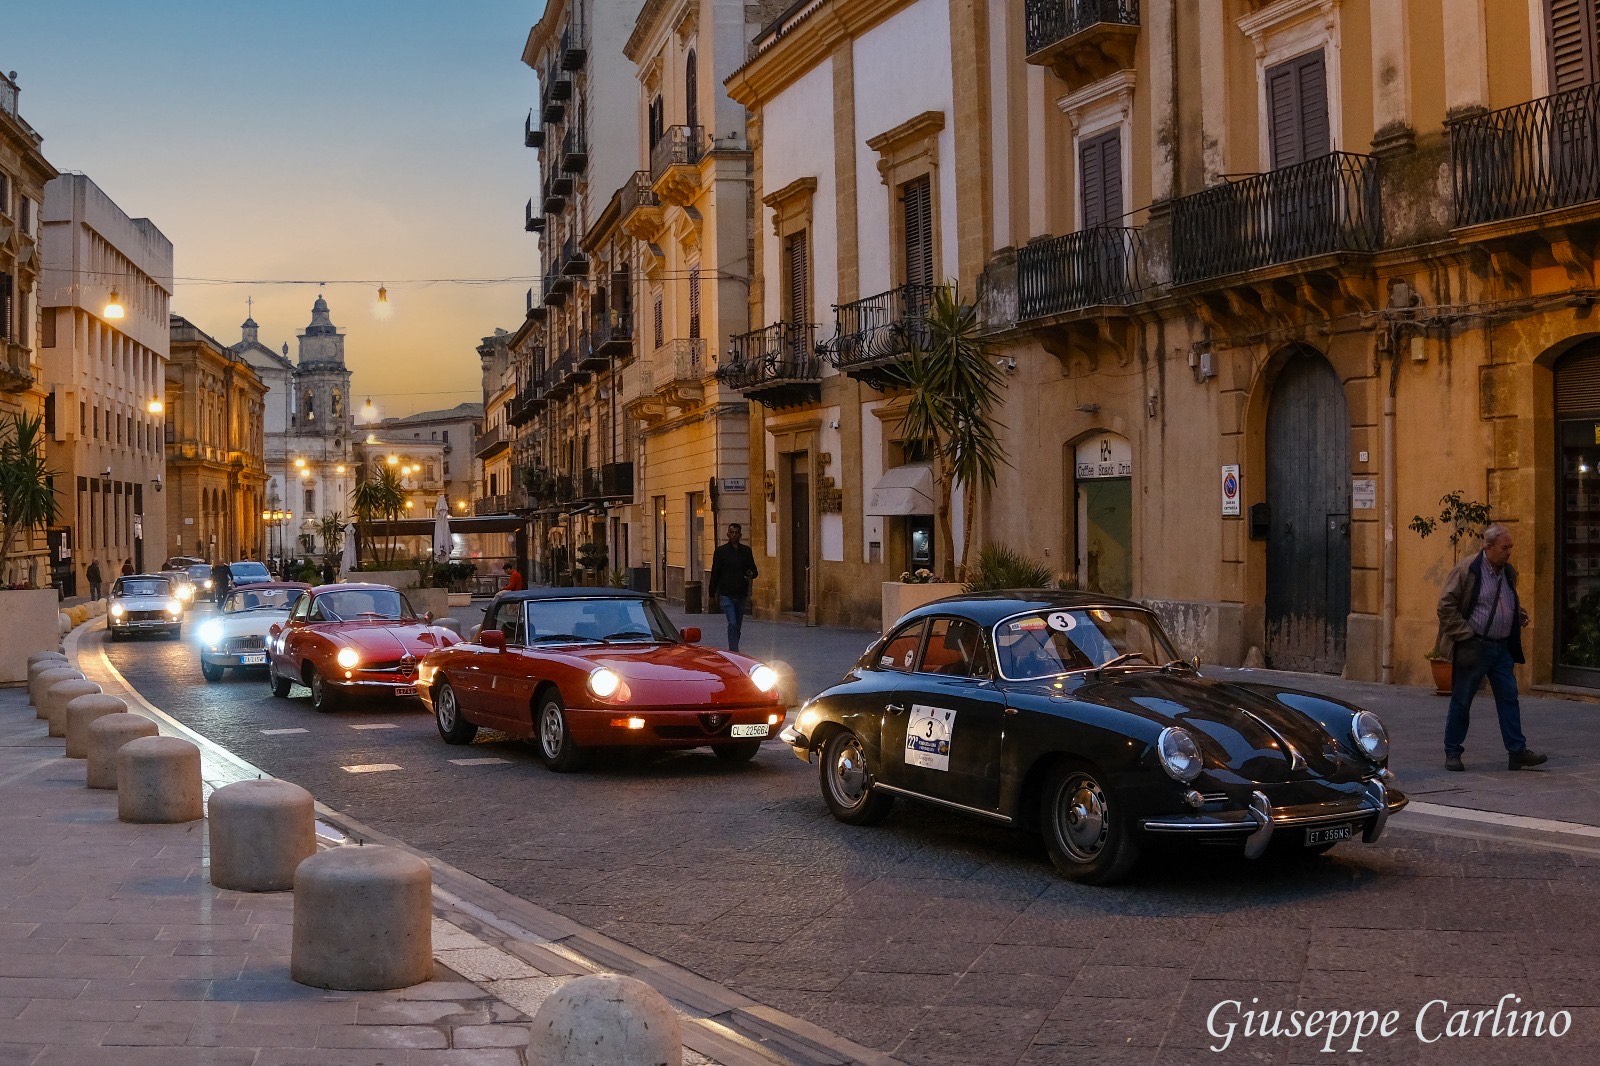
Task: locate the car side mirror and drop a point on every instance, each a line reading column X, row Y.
column 427, row 617
column 275, row 630
column 691, row 635
column 492, row 639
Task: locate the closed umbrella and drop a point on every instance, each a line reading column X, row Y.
column 441, row 530
column 348, row 562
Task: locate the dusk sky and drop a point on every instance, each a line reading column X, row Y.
column 298, row 141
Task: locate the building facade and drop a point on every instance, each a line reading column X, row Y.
column 455, row 431
column 105, row 288
column 215, row 484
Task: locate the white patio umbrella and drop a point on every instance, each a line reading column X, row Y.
column 348, row 562
column 441, row 530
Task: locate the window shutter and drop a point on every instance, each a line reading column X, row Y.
column 917, row 200
column 1312, row 75
column 7, row 311
column 1297, row 110
column 694, row 302
column 658, row 323
column 798, row 310
column 1574, row 30
column 1100, row 179
column 691, row 91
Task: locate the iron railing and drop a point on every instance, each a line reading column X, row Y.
column 637, row 193
column 574, row 150
column 532, row 221
column 574, row 260
column 686, row 356
column 574, row 45
column 1050, row 21
column 1324, row 205
column 781, row 352
column 881, row 327
column 488, row 505
column 613, row 331
column 1536, row 156
column 679, row 145
column 492, row 441
column 1084, row 269
column 558, row 376
column 532, row 133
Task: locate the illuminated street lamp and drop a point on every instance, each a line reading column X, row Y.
column 155, row 407
column 114, row 308
column 394, row 460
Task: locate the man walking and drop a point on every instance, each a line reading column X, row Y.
column 95, row 580
column 733, row 567
column 1480, row 631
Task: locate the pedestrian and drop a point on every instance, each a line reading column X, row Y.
column 514, row 581
column 327, row 572
column 221, row 582
column 733, row 567
column 127, row 567
column 1480, row 632
column 95, row 580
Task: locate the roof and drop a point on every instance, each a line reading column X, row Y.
column 460, row 412
column 991, row 607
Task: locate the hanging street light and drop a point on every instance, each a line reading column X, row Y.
column 114, row 307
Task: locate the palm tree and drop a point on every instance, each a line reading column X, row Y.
column 27, row 500
column 380, row 496
column 952, row 386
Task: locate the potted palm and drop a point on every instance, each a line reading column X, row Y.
column 381, row 497
column 27, row 505
column 1464, row 518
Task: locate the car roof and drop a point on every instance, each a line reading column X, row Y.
column 268, row 586
column 990, row 607
column 340, row 586
column 574, row 593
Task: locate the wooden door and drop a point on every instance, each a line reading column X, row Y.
column 799, row 533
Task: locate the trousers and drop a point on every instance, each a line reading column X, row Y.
column 1474, row 661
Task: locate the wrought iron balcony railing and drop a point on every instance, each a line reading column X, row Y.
column 637, row 193
column 574, row 260
column 532, row 133
column 532, row 222
column 558, row 382
column 678, row 146
column 574, row 150
column 1318, row 207
column 1533, row 157
column 1051, row 21
column 876, row 331
column 777, row 366
column 489, row 505
column 613, row 333
column 492, row 442
column 1084, row 269
column 574, row 47
column 556, row 286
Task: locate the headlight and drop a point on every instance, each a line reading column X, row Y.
column 211, row 633
column 1179, row 753
column 604, row 683
column 117, row 610
column 348, row 658
column 1371, row 739
column 208, row 584
column 174, row 607
column 765, row 677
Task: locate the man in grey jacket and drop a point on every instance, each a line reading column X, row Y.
column 1480, row 632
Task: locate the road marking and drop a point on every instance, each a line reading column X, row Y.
column 370, row 768
column 282, row 732
column 377, row 725
column 1510, row 821
column 479, row 762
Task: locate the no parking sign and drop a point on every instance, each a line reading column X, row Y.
column 1230, row 491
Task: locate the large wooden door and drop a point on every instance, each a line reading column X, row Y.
column 799, row 533
column 1308, row 542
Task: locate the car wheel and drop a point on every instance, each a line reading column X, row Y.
column 211, row 672
column 454, row 728
column 324, row 697
column 280, row 685
column 847, row 781
column 557, row 750
column 737, row 753
column 1084, row 829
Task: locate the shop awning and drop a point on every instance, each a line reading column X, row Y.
column 903, row 490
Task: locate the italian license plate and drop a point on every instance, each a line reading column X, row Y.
column 1327, row 835
column 748, row 731
column 411, row 690
column 253, row 660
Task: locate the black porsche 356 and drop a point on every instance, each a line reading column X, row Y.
column 1072, row 714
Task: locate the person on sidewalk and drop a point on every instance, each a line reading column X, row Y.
column 733, row 567
column 95, row 580
column 127, row 567
column 514, row 582
column 1480, row 632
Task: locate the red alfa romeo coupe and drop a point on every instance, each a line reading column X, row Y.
column 351, row 640
column 584, row 668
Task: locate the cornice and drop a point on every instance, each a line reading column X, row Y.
column 811, row 41
column 555, row 13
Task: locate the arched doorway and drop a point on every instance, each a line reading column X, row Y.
column 1577, row 404
column 1308, row 494
column 1103, row 491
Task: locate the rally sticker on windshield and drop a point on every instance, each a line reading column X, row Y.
column 1062, row 621
column 928, row 737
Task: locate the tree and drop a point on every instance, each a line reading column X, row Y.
column 952, row 386
column 380, row 496
column 27, row 500
column 329, row 531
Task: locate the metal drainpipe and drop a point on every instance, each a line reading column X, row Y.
column 1390, row 594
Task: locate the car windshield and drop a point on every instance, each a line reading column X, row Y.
column 249, row 572
column 354, row 605
column 613, row 618
column 260, row 600
column 143, row 586
column 1047, row 643
column 199, row 573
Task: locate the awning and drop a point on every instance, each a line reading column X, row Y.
column 902, row 490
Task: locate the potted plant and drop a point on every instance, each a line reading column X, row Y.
column 592, row 558
column 27, row 504
column 1003, row 567
column 1463, row 517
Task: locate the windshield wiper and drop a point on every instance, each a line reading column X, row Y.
column 1170, row 668
column 631, row 633
column 568, row 637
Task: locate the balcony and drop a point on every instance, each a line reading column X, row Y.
column 1321, row 207
column 680, row 368
column 583, row 362
column 1081, row 40
column 492, row 442
column 566, row 489
column 616, row 481
column 777, row 366
column 531, row 222
column 532, row 133
column 574, row 48
column 556, row 286
column 871, row 336
column 574, row 260
column 561, row 85
column 574, row 151
column 1540, row 156
column 558, row 377
column 1091, row 268
column 553, row 111
column 559, row 185
column 492, row 505
column 613, row 334
column 675, row 163
column 555, row 198
column 638, row 207
column 16, row 367
column 536, row 308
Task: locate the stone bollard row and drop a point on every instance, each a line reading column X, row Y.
column 56, row 698
column 44, row 657
column 43, row 680
column 363, row 919
column 606, row 1020
column 158, row 781
column 106, row 737
column 261, row 831
column 83, row 711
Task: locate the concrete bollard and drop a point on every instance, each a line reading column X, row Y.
column 45, row 657
column 63, row 623
column 43, row 680
column 83, row 710
column 788, row 685
column 261, row 831
column 158, row 781
column 363, row 919
column 56, row 698
column 106, row 737
column 606, row 1020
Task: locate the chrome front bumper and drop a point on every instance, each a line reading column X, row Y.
column 1260, row 820
column 798, row 742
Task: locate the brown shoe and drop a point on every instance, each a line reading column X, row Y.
column 1526, row 759
column 1453, row 762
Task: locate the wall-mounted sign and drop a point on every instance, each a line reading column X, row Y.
column 1363, row 494
column 735, row 484
column 1230, row 491
column 1104, row 455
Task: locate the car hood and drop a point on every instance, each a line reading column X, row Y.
column 250, row 623
column 671, row 674
column 144, row 603
column 381, row 642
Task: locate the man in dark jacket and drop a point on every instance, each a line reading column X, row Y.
column 1480, row 631
column 733, row 567
column 95, row 580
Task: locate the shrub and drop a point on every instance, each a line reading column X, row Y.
column 1003, row 567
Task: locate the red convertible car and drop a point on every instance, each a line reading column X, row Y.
column 350, row 640
column 585, row 668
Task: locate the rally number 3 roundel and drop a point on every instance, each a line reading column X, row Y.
column 928, row 737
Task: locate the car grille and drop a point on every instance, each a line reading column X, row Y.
column 243, row 644
column 144, row 616
column 406, row 667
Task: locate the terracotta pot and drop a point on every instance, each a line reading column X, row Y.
column 1443, row 673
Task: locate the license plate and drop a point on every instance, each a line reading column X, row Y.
column 1327, row 835
column 748, row 731
column 253, row 660
column 411, row 690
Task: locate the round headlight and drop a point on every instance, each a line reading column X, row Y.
column 765, row 677
column 1179, row 753
column 211, row 633
column 604, row 683
column 1371, row 739
column 117, row 610
column 348, row 658
column 174, row 607
column 208, row 582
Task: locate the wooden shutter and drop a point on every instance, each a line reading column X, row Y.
column 798, row 310
column 1297, row 110
column 1574, row 34
column 1100, row 179
column 656, row 314
column 694, row 302
column 916, row 198
column 691, row 91
column 7, row 308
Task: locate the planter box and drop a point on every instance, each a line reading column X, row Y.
column 460, row 599
column 900, row 597
column 27, row 624
column 395, row 579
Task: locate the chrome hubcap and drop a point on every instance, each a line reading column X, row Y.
column 550, row 731
column 850, row 774
column 447, row 708
column 1081, row 816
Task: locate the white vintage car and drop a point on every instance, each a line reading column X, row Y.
column 237, row 637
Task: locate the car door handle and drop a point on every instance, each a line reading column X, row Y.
column 896, row 708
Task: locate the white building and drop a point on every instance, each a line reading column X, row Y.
column 104, row 294
column 454, row 430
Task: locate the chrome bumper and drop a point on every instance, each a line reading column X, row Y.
column 798, row 742
column 1260, row 819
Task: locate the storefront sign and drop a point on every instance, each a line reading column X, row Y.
column 1230, row 491
column 1104, row 455
column 1363, row 494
